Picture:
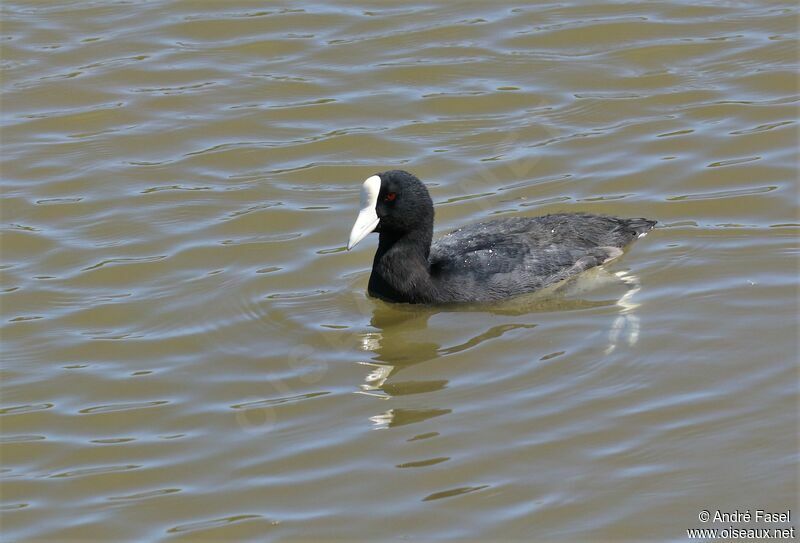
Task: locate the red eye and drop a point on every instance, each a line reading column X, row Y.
column 390, row 197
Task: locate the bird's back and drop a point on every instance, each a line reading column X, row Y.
column 504, row 257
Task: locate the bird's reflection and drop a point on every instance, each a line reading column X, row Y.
column 627, row 325
column 395, row 348
column 396, row 341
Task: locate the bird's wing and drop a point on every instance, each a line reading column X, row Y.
column 519, row 254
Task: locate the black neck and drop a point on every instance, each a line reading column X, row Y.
column 416, row 242
column 400, row 271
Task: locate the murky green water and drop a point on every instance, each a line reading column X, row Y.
column 188, row 350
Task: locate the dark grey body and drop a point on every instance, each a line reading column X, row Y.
column 486, row 261
column 506, row 257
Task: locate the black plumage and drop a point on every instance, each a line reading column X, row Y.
column 485, row 261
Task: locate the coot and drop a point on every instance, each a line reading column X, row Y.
column 481, row 262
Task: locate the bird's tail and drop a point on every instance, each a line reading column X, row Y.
column 641, row 225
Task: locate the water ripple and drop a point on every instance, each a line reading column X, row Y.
column 208, row 524
column 121, row 407
column 185, row 335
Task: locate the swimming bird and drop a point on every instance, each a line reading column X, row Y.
column 480, row 262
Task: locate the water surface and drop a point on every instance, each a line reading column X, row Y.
column 188, row 350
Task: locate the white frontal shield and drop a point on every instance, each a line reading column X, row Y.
column 367, row 219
